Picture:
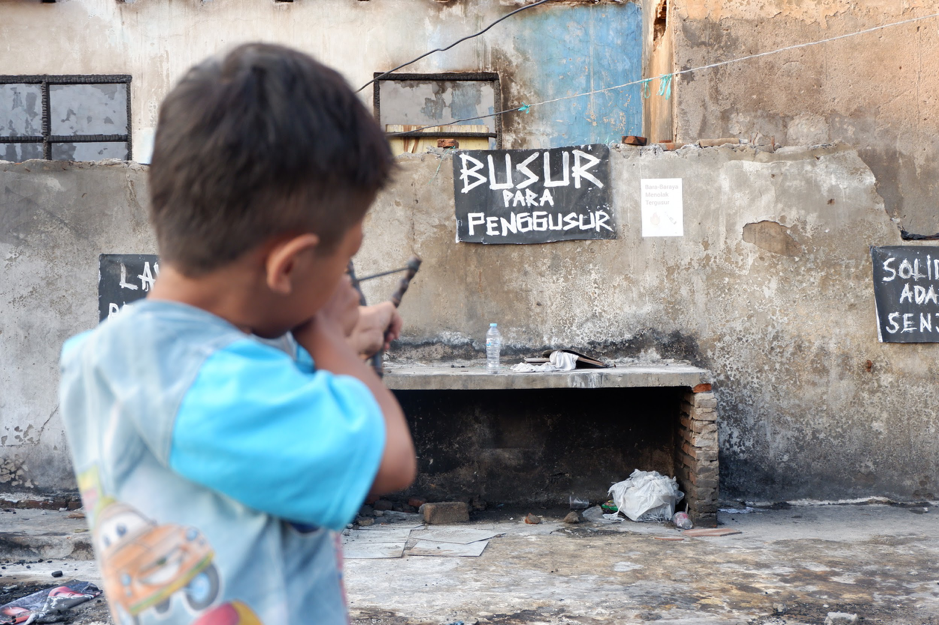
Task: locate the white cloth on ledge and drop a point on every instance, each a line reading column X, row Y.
column 558, row 361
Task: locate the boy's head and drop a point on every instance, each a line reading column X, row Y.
column 261, row 144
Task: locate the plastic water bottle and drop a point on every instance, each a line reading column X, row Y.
column 493, row 346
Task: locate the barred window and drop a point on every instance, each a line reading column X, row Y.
column 65, row 118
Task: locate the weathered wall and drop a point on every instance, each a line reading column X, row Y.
column 658, row 51
column 876, row 92
column 782, row 312
column 543, row 53
column 770, row 288
column 55, row 218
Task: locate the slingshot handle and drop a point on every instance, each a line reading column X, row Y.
column 413, row 265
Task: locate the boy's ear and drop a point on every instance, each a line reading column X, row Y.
column 282, row 261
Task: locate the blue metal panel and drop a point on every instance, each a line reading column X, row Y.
column 570, row 50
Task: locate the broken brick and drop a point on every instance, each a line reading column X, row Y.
column 715, row 531
column 445, row 513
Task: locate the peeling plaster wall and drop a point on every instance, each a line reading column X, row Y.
column 770, row 288
column 55, row 218
column 658, row 51
column 786, row 322
column 574, row 50
column 878, row 92
column 542, row 53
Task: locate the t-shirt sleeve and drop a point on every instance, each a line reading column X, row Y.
column 271, row 433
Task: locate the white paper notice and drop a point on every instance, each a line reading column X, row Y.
column 662, row 209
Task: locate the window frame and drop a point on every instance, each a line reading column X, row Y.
column 492, row 77
column 47, row 138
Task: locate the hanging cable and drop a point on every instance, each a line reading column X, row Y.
column 506, row 16
column 668, row 77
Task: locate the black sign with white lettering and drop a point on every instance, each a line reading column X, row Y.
column 533, row 196
column 906, row 291
column 122, row 279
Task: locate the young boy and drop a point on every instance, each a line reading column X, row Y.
column 224, row 428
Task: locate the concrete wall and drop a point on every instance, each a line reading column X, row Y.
column 55, row 218
column 543, row 53
column 877, row 92
column 785, row 322
column 770, row 288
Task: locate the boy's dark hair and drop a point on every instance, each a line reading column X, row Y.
column 262, row 142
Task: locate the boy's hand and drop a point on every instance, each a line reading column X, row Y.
column 377, row 326
column 342, row 308
column 322, row 338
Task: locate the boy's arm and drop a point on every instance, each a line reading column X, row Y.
column 324, row 337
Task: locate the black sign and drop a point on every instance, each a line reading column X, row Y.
column 906, row 290
column 122, row 279
column 533, row 196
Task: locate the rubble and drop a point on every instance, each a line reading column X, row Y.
column 815, row 560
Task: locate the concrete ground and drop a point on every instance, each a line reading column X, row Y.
column 795, row 565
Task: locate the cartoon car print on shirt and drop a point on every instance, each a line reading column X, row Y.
column 143, row 564
column 234, row 613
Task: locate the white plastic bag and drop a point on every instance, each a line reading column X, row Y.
column 647, row 496
column 558, row 361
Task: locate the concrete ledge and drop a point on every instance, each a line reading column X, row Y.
column 474, row 377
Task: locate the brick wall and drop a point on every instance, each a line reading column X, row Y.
column 696, row 462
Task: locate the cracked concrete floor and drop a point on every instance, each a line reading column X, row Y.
column 787, row 567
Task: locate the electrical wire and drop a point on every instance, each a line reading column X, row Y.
column 743, row 58
column 525, row 108
column 506, row 16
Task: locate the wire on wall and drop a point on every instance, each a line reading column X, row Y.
column 506, row 16
column 665, row 85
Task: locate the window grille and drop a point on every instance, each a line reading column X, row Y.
column 77, row 118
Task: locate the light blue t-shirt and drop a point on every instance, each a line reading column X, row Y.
column 214, row 468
